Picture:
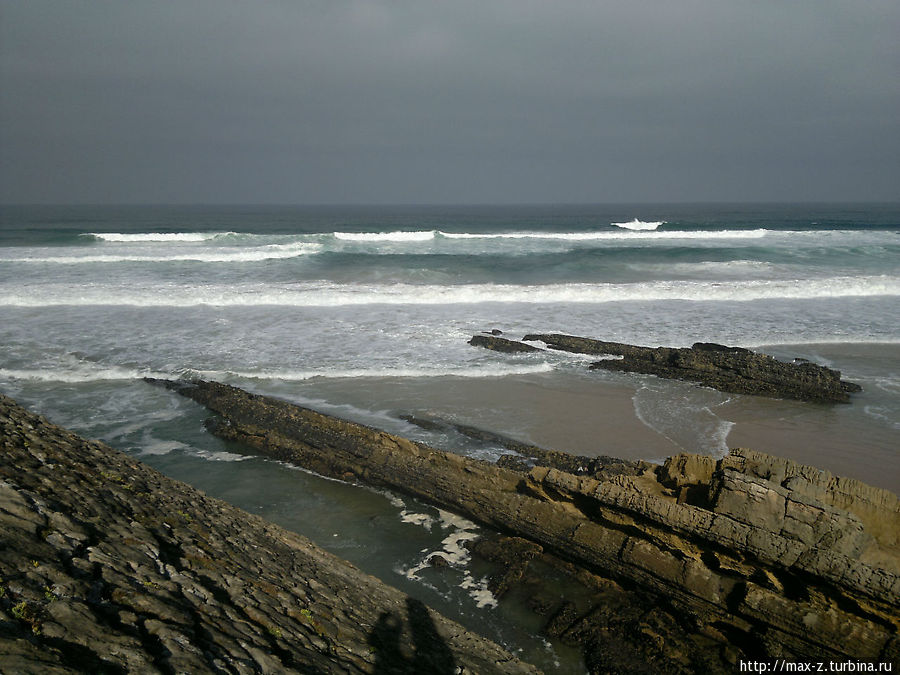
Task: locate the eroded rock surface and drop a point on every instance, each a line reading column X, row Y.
column 107, row 566
column 730, row 369
column 784, row 560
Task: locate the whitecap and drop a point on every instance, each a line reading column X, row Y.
column 135, row 237
column 328, row 294
column 709, row 267
column 78, row 374
column 640, row 225
column 613, row 235
column 257, row 254
column 426, row 235
column 492, row 370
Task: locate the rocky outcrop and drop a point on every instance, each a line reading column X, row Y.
column 730, row 369
column 783, row 559
column 619, row 629
column 107, row 566
column 499, row 344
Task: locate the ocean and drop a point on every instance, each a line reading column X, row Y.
column 365, row 312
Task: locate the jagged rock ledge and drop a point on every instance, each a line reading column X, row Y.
column 731, row 369
column 786, row 560
column 108, row 566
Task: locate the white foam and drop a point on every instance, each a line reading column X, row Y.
column 75, row 375
column 395, row 501
column 221, row 456
column 449, row 520
column 414, row 518
column 640, row 225
column 272, row 252
column 479, row 592
column 706, row 268
column 493, row 370
column 158, row 447
column 458, row 555
column 718, row 441
column 156, row 236
column 385, row 236
column 326, row 294
column 883, row 414
column 684, row 416
column 452, row 550
column 488, row 454
column 889, row 383
column 613, row 235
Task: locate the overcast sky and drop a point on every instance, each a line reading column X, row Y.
column 456, row 101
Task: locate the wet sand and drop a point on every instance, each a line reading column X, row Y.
column 594, row 414
column 576, row 414
column 833, row 438
column 550, row 411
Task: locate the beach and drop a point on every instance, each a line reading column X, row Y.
column 593, row 414
column 366, row 314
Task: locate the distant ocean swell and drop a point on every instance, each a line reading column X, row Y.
column 802, row 247
column 135, row 237
column 330, row 294
column 624, row 233
column 426, row 235
column 365, row 312
column 221, row 255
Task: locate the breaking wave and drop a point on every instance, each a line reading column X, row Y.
column 329, row 294
column 74, row 375
column 157, row 236
column 385, row 236
column 613, row 235
column 271, row 252
column 640, row 225
column 495, row 370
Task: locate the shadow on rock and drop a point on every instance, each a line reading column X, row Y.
column 427, row 653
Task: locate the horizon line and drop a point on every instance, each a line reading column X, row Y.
column 698, row 202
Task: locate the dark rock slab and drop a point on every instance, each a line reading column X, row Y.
column 785, row 559
column 499, row 344
column 731, row 369
column 107, row 566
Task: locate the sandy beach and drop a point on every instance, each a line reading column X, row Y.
column 597, row 414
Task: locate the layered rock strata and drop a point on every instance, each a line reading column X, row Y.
column 787, row 560
column 107, row 566
column 731, row 369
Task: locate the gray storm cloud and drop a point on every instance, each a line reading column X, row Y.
column 448, row 102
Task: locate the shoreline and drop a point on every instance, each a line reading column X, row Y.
column 628, row 559
column 592, row 413
column 726, row 541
